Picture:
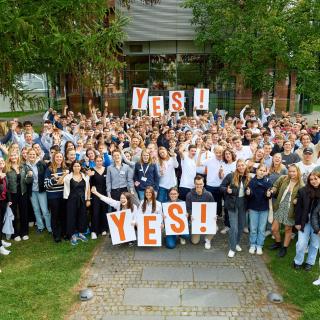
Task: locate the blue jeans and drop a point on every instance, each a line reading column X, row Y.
column 141, row 194
column 258, row 222
column 171, row 241
column 163, row 195
column 303, row 240
column 40, row 204
column 237, row 218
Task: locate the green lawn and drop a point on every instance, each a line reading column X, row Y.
column 18, row 114
column 297, row 285
column 38, row 279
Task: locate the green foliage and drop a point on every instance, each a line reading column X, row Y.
column 58, row 36
column 252, row 38
column 38, row 277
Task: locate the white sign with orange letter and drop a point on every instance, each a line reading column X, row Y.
column 204, row 217
column 149, row 230
column 176, row 101
column 175, row 220
column 201, row 99
column 121, row 228
column 140, row 98
column 156, row 106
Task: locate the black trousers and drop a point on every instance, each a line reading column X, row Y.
column 57, row 208
column 116, row 193
column 217, row 196
column 99, row 222
column 3, row 208
column 20, row 211
column 76, row 215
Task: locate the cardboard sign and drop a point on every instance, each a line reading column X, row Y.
column 176, row 221
column 156, row 106
column 201, row 99
column 149, row 230
column 176, row 101
column 140, row 98
column 121, row 228
column 204, row 217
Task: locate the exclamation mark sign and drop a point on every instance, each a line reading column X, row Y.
column 201, row 98
column 203, row 217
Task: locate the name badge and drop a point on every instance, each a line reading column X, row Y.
column 144, row 179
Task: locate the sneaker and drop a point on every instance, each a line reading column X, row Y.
column 231, row 254
column 93, row 236
column 225, row 230
column 74, row 241
column 207, row 244
column 104, row 233
column 296, row 266
column 245, row 230
column 39, row 230
column 25, row 238
column 275, row 246
column 6, row 244
column 259, row 251
column 293, row 235
column 238, row 248
column 4, row 251
column 31, row 224
column 252, row 250
column 307, row 267
column 81, row 237
column 316, row 283
column 183, row 241
column 18, row 238
column 268, row 233
column 282, row 252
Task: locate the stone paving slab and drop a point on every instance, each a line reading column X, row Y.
column 201, row 254
column 197, row 318
column 134, row 318
column 222, row 274
column 210, row 298
column 167, row 274
column 152, row 297
column 156, row 254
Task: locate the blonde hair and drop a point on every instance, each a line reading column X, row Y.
column 9, row 163
column 236, row 176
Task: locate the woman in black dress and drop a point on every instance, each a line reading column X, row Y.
column 99, row 208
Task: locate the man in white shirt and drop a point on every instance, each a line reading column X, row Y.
column 242, row 152
column 306, row 166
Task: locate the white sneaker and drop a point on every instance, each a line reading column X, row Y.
column 259, row 251
column 25, row 238
column 207, row 244
column 267, row 233
column 238, row 248
column 273, row 237
column 93, row 236
column 231, row 254
column 183, row 241
column 4, row 251
column 18, row 238
column 316, row 283
column 252, row 250
column 104, row 233
column 31, row 224
column 225, row 230
column 246, row 230
column 6, row 244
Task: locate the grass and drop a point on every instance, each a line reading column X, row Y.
column 296, row 284
column 38, row 279
column 17, row 114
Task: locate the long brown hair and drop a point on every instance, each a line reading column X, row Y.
column 162, row 161
column 53, row 165
column 236, row 176
column 129, row 198
column 313, row 192
column 277, row 169
column 153, row 199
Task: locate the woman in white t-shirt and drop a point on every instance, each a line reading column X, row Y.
column 167, row 164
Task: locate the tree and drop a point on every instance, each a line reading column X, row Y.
column 77, row 37
column 251, row 38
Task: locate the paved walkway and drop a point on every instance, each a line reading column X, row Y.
column 187, row 283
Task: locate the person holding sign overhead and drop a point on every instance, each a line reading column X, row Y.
column 145, row 174
column 233, row 187
column 199, row 194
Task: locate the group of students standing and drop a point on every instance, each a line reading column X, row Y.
column 261, row 176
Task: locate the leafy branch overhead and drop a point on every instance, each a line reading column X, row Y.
column 58, row 36
column 252, row 37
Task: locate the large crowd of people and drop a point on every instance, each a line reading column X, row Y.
column 261, row 170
